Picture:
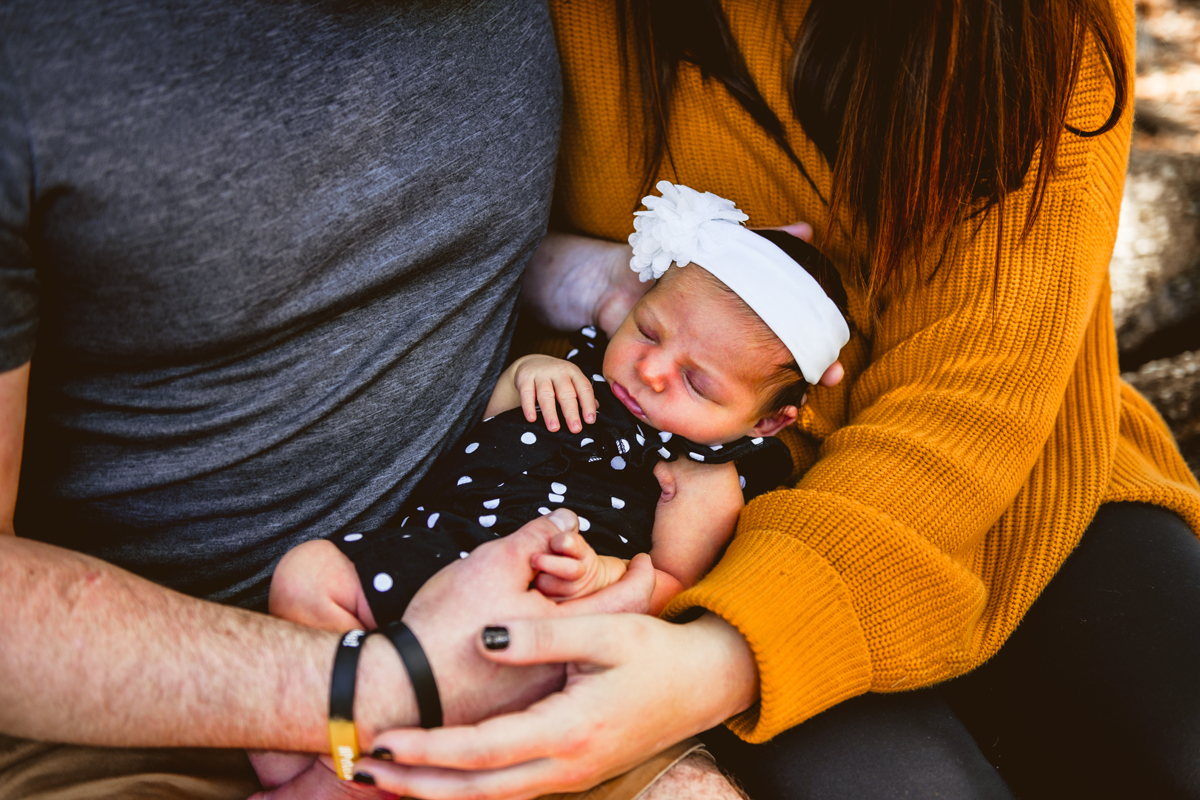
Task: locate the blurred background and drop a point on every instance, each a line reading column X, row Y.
column 1156, row 263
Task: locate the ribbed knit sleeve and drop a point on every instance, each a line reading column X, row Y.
column 974, row 436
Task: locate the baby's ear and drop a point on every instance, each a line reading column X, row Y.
column 774, row 422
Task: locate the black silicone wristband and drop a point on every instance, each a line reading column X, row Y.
column 429, row 702
column 345, row 675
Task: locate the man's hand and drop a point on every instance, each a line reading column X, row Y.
column 493, row 583
column 542, row 381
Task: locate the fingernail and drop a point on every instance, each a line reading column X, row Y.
column 495, row 637
column 363, row 778
column 560, row 519
column 382, row 754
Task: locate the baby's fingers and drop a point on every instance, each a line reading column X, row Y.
column 565, row 392
column 587, row 398
column 572, row 545
column 545, row 399
column 527, row 389
column 564, row 567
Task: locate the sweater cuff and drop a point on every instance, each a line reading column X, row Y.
column 811, row 655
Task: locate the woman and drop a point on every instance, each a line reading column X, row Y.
column 963, row 163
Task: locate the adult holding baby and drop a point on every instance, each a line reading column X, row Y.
column 238, row 243
column 981, row 466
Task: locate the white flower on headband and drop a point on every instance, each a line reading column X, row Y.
column 672, row 227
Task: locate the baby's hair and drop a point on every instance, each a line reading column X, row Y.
column 786, row 385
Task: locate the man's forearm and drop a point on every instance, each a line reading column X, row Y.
column 92, row 654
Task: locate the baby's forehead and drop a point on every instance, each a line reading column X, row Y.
column 760, row 353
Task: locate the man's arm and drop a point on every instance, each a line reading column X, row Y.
column 92, row 654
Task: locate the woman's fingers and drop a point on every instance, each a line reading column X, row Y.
column 591, row 639
column 833, row 375
column 518, row 782
column 503, row 742
column 801, row 230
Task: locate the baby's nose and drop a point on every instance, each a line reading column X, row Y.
column 652, row 375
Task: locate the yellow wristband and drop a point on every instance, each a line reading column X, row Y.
column 343, row 745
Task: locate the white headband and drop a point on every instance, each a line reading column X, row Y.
column 684, row 226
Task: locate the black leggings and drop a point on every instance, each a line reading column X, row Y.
column 1095, row 695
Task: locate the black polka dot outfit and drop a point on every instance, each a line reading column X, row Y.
column 507, row 471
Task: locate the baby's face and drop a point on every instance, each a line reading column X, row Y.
column 681, row 362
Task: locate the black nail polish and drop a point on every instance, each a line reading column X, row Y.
column 382, row 754
column 495, row 637
column 364, row 779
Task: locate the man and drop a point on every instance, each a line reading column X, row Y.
column 239, row 242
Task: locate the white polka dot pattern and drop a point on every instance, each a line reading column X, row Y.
column 353, row 537
column 585, row 524
column 472, row 447
column 382, row 582
column 487, row 520
column 558, row 488
column 528, row 438
column 617, row 462
column 618, row 503
column 491, row 504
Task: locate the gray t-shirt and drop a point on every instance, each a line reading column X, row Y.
column 264, row 255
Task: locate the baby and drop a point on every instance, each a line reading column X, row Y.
column 709, row 364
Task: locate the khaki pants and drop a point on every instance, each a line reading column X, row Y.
column 37, row 771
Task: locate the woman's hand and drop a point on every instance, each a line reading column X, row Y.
column 573, row 281
column 635, row 685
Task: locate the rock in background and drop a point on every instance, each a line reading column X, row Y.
column 1156, row 262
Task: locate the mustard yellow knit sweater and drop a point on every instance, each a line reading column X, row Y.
column 982, row 420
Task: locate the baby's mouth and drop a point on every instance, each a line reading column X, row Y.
column 628, row 401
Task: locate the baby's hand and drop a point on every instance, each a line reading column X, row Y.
column 542, row 380
column 574, row 569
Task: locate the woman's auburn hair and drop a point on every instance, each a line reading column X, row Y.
column 928, row 112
